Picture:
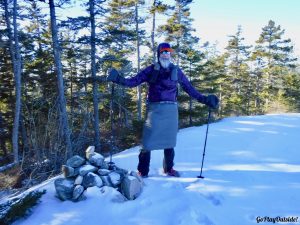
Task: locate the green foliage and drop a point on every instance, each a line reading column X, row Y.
column 291, row 84
column 19, row 207
column 273, row 57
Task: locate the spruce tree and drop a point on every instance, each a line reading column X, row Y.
column 238, row 74
column 274, row 53
column 60, row 82
column 178, row 28
column 15, row 55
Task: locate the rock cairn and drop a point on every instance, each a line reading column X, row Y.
column 93, row 171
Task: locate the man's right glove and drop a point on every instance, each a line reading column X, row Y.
column 212, row 101
column 113, row 75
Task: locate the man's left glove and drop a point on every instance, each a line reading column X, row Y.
column 212, row 101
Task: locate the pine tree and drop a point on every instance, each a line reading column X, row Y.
column 140, row 36
column 178, row 28
column 274, row 53
column 60, row 81
column 238, row 74
column 119, row 40
column 17, row 64
column 157, row 8
column 291, row 83
column 6, row 90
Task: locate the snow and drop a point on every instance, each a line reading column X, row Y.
column 251, row 169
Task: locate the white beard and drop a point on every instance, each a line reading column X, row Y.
column 165, row 63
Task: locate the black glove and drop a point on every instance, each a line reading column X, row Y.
column 212, row 101
column 113, row 75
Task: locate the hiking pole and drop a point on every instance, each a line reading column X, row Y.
column 111, row 164
column 208, row 120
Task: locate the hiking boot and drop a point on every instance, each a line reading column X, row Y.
column 142, row 175
column 172, row 173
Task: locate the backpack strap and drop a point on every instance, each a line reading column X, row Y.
column 174, row 72
column 155, row 73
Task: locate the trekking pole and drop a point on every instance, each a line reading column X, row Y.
column 208, row 120
column 111, row 164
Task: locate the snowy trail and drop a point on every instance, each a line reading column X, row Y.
column 251, row 169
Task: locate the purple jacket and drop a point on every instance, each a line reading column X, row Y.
column 164, row 89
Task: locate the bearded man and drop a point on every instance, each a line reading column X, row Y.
column 161, row 125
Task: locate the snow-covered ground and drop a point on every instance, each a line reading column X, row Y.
column 252, row 175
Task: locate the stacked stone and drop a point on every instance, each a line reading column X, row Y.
column 83, row 173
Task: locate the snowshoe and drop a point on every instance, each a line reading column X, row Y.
column 172, row 173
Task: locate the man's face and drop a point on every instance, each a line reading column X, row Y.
column 165, row 55
column 165, row 59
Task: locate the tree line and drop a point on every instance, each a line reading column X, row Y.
column 50, row 108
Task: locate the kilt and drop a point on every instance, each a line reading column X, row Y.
column 161, row 126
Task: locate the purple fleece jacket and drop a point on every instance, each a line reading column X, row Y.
column 164, row 89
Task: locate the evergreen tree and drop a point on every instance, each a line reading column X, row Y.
column 291, row 84
column 6, row 89
column 140, row 36
column 38, row 58
column 58, row 68
column 238, row 74
column 178, row 28
column 275, row 53
column 119, row 40
column 157, row 8
column 17, row 64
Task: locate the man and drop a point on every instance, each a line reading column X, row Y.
column 161, row 125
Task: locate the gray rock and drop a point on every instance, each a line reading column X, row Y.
column 86, row 169
column 78, row 190
column 106, row 181
column 114, row 178
column 91, row 180
column 131, row 187
column 75, row 161
column 121, row 171
column 82, row 196
column 64, row 188
column 105, row 165
column 68, row 171
column 103, row 172
column 135, row 174
column 115, row 195
column 78, row 180
column 96, row 159
column 89, row 152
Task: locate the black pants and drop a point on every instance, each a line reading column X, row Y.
column 144, row 161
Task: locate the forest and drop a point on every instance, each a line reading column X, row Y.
column 51, row 107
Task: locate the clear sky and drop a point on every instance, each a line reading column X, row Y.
column 216, row 19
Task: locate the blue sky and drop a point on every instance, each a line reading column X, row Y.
column 216, row 19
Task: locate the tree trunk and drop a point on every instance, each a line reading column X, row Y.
column 2, row 137
column 153, row 34
column 139, row 89
column 178, row 39
column 60, row 82
column 16, row 61
column 190, row 102
column 93, row 70
column 24, row 134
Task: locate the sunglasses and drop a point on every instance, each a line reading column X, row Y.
column 165, row 52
